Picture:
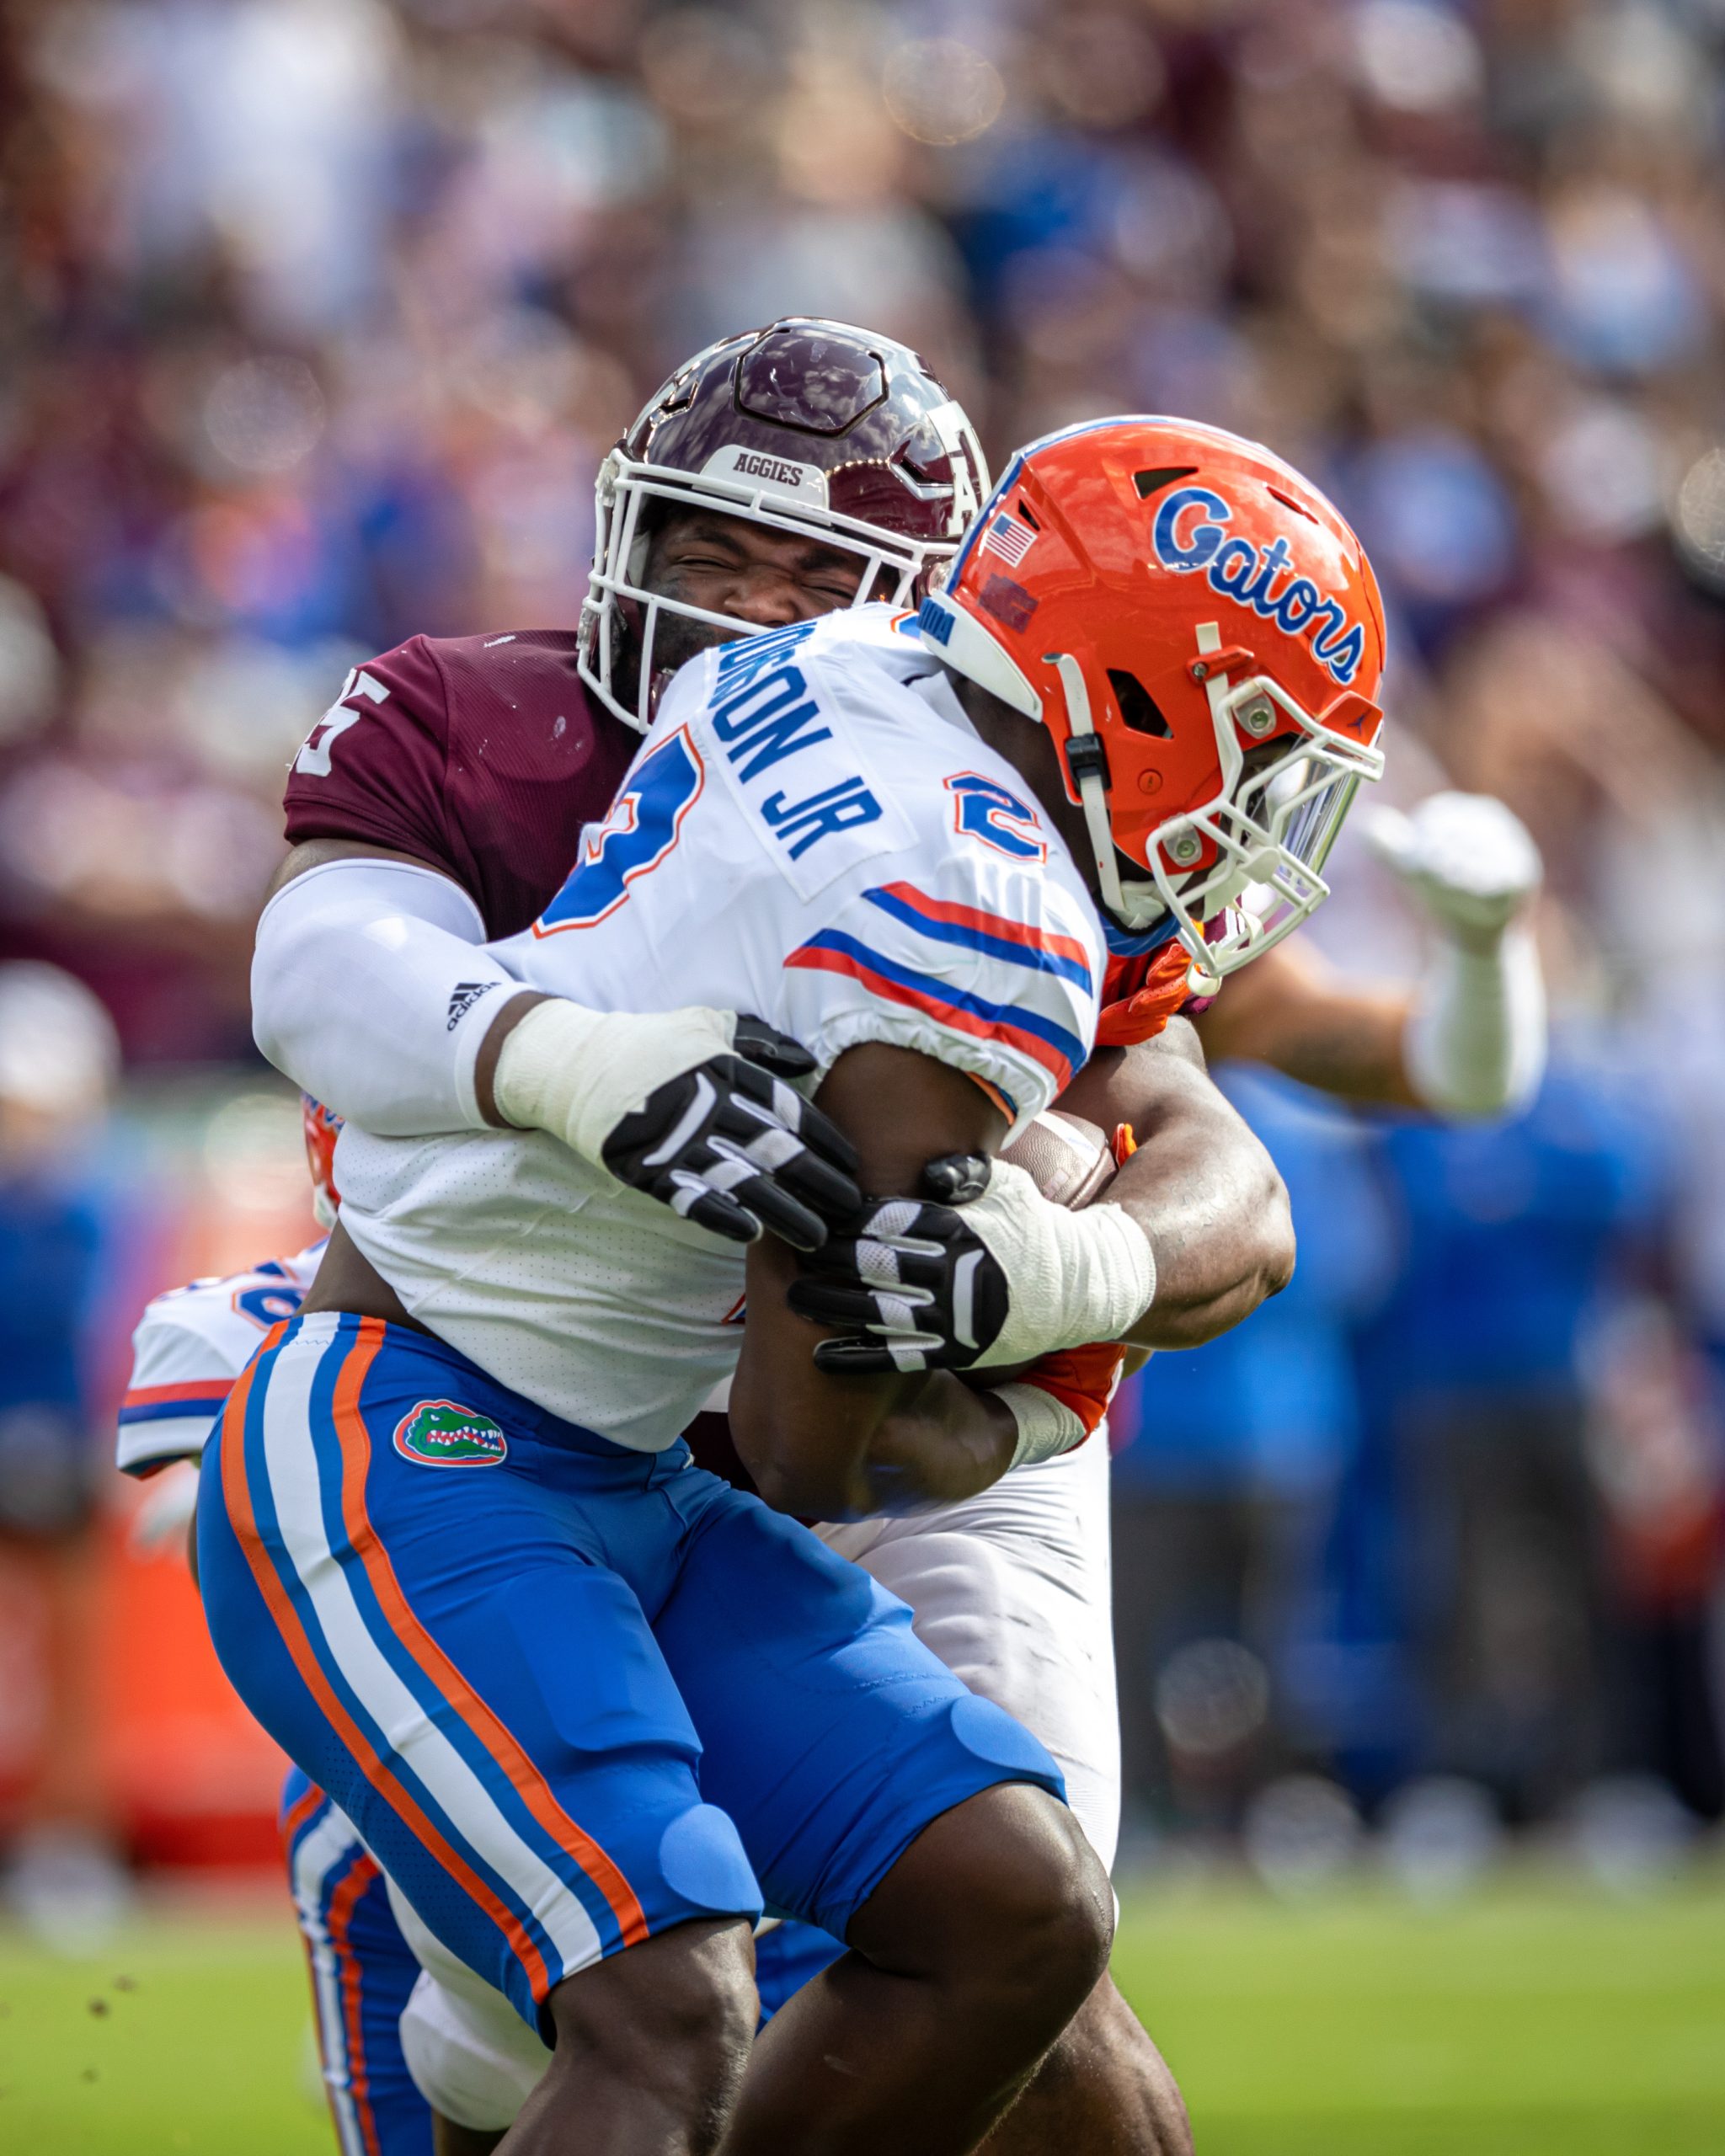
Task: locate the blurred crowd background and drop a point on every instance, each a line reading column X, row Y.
column 319, row 316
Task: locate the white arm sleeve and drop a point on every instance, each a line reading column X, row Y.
column 372, row 991
column 1475, row 1039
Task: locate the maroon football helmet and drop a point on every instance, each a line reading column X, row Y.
column 805, row 426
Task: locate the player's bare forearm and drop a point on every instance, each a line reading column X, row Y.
column 1200, row 1185
column 831, row 1447
column 1291, row 1011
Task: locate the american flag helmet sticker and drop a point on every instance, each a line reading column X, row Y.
column 1009, row 536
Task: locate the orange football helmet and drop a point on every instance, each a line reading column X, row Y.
column 1202, row 633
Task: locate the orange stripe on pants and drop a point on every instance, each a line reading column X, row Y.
column 504, row 1748
column 237, row 1495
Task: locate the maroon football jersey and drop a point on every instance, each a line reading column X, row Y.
column 482, row 756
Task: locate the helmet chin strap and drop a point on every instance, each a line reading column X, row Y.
column 1087, row 760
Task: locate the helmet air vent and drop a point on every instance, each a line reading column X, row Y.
column 1024, row 510
column 1152, row 483
column 1288, row 501
column 1138, row 707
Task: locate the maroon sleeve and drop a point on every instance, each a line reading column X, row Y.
column 374, row 767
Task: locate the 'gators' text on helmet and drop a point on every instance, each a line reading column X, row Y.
column 1202, row 633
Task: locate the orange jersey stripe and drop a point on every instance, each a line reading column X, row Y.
column 196, row 1392
column 996, row 1098
column 943, row 1013
column 237, row 1494
column 535, row 1791
column 1081, row 1379
column 992, row 924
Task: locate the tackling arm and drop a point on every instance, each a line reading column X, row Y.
column 372, row 991
column 1187, row 1239
column 1200, row 1186
column 1292, row 1010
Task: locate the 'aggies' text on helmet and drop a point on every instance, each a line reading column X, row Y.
column 808, row 427
column 1202, row 633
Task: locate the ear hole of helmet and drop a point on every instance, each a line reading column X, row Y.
column 1152, row 483
column 1138, row 707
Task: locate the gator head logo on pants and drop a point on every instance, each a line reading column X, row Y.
column 439, row 1433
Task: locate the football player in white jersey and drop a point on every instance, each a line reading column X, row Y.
column 979, row 961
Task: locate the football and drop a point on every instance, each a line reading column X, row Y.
column 1071, row 1160
column 1073, row 1163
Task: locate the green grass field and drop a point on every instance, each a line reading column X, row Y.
column 1538, row 2019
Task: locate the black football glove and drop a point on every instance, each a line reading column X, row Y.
column 731, row 1146
column 913, row 1287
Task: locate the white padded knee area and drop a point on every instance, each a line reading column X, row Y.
column 476, row 2067
column 472, row 2057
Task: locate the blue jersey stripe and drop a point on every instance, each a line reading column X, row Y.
column 978, row 939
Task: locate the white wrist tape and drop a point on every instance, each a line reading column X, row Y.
column 371, row 990
column 1071, row 1278
column 1047, row 1427
column 577, row 1073
column 1475, row 1039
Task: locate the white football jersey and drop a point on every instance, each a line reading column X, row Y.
column 812, row 833
column 189, row 1345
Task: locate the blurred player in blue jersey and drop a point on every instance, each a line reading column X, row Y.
column 189, row 1348
column 58, row 1061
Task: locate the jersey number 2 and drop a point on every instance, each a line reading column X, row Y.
column 984, row 808
column 643, row 826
